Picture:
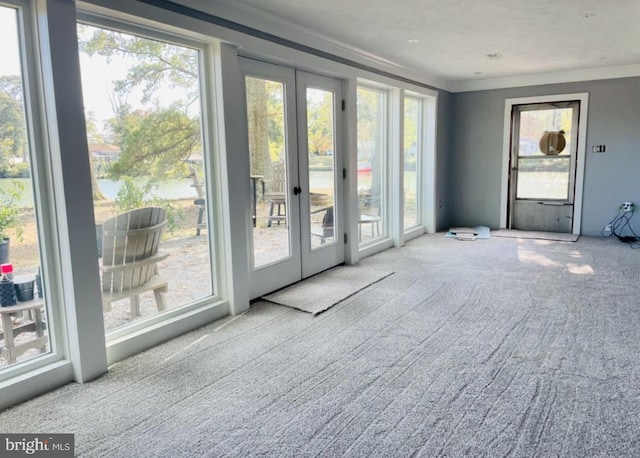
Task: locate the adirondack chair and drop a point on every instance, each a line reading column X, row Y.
column 130, row 256
column 275, row 192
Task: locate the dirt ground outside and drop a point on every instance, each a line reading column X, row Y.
column 187, row 269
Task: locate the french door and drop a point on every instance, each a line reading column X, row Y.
column 294, row 125
column 543, row 166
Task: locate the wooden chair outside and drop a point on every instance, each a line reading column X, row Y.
column 130, row 257
column 275, row 191
column 199, row 201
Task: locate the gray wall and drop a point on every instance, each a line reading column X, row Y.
column 474, row 167
column 443, row 147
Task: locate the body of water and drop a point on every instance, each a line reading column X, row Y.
column 169, row 189
column 183, row 188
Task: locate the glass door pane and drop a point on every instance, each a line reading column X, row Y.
column 321, row 173
column 144, row 131
column 269, row 171
column 544, row 175
column 273, row 159
column 322, row 168
column 412, row 149
column 372, row 160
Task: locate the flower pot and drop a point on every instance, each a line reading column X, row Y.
column 24, row 288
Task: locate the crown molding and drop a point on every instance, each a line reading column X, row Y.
column 270, row 24
column 589, row 74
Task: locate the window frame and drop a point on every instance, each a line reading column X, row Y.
column 385, row 117
column 46, row 208
column 205, row 46
column 420, row 153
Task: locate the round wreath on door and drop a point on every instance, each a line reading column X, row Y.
column 552, row 143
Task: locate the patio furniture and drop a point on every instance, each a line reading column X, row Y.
column 275, row 192
column 130, row 255
column 254, row 196
column 369, row 214
column 11, row 329
column 326, row 230
column 199, row 201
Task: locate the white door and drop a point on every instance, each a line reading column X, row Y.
column 543, row 166
column 321, row 172
column 294, row 122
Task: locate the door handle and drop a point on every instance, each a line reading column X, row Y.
column 296, row 190
column 555, row 204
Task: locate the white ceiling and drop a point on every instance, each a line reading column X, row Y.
column 454, row 37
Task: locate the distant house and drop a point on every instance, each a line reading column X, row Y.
column 104, row 152
column 102, row 155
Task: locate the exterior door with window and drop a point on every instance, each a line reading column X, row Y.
column 295, row 174
column 543, row 166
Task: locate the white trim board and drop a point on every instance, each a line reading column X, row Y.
column 583, row 98
column 570, row 76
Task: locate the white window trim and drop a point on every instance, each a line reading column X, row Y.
column 426, row 167
column 139, row 335
column 30, row 378
column 381, row 242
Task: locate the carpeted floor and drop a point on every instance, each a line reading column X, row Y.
column 500, row 347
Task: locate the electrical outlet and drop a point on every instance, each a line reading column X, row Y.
column 607, row 228
column 627, row 207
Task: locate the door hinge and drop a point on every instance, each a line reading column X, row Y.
column 344, row 174
column 345, row 238
column 344, row 105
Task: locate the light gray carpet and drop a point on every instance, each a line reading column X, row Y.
column 321, row 292
column 554, row 236
column 521, row 348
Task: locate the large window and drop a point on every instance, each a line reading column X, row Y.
column 144, row 130
column 24, row 309
column 413, row 141
column 372, row 164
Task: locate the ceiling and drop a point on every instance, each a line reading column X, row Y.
column 466, row 40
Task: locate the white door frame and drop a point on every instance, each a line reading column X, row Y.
column 302, row 261
column 581, row 150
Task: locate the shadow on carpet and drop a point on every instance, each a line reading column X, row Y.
column 554, row 236
column 321, row 292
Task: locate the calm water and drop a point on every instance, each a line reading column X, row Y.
column 182, row 188
column 169, row 189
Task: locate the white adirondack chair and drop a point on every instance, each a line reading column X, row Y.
column 130, row 255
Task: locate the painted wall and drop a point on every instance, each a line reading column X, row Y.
column 474, row 173
column 443, row 160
